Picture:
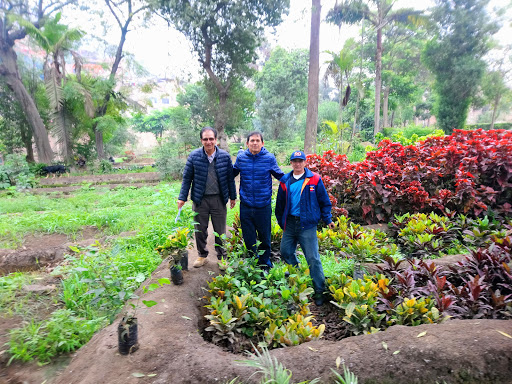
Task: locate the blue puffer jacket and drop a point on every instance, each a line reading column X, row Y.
column 196, row 173
column 256, row 173
column 314, row 201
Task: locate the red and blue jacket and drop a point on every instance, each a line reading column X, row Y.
column 314, row 201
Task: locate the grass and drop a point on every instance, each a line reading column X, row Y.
column 123, row 209
column 95, row 281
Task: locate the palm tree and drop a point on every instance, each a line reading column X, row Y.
column 353, row 11
column 340, row 65
column 56, row 40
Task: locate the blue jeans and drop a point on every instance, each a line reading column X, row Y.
column 293, row 235
column 255, row 224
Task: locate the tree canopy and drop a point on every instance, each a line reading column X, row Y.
column 224, row 35
column 455, row 57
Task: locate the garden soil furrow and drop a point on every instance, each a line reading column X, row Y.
column 99, row 179
column 68, row 190
column 32, row 258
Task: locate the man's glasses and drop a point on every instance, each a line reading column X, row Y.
column 208, row 139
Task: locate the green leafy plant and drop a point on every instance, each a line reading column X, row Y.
column 269, row 367
column 63, row 332
column 347, row 378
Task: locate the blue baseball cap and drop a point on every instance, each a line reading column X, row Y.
column 298, row 155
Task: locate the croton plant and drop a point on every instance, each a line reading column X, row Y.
column 468, row 172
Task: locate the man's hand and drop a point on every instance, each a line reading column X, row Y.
column 232, row 204
column 332, row 225
column 181, row 203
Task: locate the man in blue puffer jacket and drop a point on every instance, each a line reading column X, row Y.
column 256, row 166
column 302, row 201
column 210, row 172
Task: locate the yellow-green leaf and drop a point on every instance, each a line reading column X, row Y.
column 396, row 352
column 313, row 349
column 505, row 334
column 422, row 334
column 338, row 362
column 186, row 317
column 385, row 345
column 138, row 374
column 152, row 375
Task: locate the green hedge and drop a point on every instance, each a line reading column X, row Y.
column 486, row 127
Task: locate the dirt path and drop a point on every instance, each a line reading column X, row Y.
column 173, row 351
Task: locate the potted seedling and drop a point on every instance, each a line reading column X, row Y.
column 127, row 330
column 176, row 249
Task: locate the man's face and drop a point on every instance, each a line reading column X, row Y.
column 209, row 141
column 255, row 144
column 298, row 166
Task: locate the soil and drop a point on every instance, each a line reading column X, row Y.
column 45, row 251
column 172, row 350
column 124, row 178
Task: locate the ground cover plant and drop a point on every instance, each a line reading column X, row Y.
column 408, row 290
column 468, row 172
column 94, row 283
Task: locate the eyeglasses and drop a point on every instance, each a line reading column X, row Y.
column 208, row 139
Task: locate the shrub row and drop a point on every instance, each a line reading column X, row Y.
column 469, row 172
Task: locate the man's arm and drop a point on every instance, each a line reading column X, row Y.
column 231, row 184
column 325, row 204
column 236, row 167
column 280, row 202
column 188, row 176
column 275, row 170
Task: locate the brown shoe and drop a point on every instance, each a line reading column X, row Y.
column 200, row 261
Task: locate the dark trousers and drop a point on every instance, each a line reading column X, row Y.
column 255, row 224
column 214, row 207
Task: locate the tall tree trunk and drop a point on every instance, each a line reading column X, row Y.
column 26, row 137
column 220, row 120
column 102, row 108
column 385, row 107
column 495, row 110
column 313, row 79
column 359, row 86
column 392, row 118
column 98, row 138
column 66, row 136
column 378, row 71
column 9, row 70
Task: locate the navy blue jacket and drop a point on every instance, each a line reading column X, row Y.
column 196, row 173
column 314, row 201
column 256, row 173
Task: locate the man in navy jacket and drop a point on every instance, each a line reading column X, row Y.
column 256, row 166
column 302, row 201
column 209, row 171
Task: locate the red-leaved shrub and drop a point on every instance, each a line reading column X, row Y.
column 468, row 172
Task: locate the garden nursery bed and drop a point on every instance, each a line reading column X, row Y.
column 172, row 349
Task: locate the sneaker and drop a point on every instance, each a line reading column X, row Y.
column 200, row 261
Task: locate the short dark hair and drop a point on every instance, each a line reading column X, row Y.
column 255, row 133
column 208, row 129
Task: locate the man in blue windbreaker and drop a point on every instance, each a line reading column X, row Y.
column 256, row 167
column 302, row 201
column 208, row 174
